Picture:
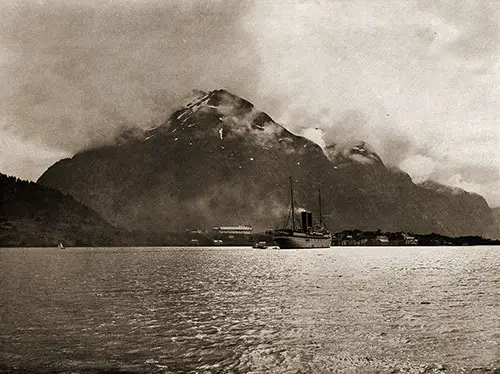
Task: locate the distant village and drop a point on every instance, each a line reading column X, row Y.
column 244, row 235
column 369, row 238
column 379, row 238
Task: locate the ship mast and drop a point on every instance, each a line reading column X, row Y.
column 320, row 214
column 293, row 207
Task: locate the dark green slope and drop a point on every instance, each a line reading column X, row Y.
column 36, row 215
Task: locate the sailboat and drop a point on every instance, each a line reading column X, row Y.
column 305, row 235
column 61, row 246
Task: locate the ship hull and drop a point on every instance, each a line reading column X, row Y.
column 306, row 241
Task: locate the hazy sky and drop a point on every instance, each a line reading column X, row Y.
column 418, row 80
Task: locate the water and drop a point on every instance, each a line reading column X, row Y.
column 230, row 310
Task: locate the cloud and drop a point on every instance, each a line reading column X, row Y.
column 315, row 134
column 30, row 157
column 77, row 73
column 420, row 167
column 416, row 79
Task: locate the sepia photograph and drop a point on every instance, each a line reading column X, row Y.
column 249, row 186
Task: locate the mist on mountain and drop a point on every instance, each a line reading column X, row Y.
column 219, row 160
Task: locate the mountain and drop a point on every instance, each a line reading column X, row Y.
column 218, row 160
column 35, row 215
column 494, row 232
column 451, row 202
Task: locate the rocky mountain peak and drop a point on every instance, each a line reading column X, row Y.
column 218, row 159
column 219, row 117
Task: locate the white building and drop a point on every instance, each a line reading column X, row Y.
column 233, row 230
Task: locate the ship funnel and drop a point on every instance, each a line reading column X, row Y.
column 303, row 216
column 306, row 220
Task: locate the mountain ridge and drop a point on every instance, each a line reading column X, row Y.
column 35, row 215
column 219, row 159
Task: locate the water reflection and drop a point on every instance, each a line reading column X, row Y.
column 242, row 310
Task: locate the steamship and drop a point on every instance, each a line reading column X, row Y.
column 305, row 235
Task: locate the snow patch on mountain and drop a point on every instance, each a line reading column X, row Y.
column 195, row 99
column 360, row 152
column 361, row 158
column 237, row 118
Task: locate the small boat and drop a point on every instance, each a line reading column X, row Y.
column 260, row 245
column 61, row 246
column 305, row 235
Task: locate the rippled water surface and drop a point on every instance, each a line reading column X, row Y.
column 240, row 310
